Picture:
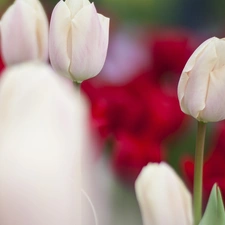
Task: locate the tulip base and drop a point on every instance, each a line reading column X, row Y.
column 199, row 156
column 77, row 84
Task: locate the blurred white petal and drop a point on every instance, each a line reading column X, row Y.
column 42, row 125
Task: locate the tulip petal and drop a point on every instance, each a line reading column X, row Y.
column 192, row 60
column 197, row 86
column 76, row 5
column 215, row 97
column 185, row 73
column 18, row 21
column 42, row 32
column 105, row 25
column 42, row 28
column 162, row 196
column 41, row 135
column 220, row 51
column 90, row 43
column 12, row 49
column 60, row 45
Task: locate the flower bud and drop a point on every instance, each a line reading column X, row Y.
column 162, row 196
column 41, row 136
column 78, row 39
column 24, row 32
column 202, row 82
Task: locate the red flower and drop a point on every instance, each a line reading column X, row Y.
column 118, row 109
column 2, row 66
column 142, row 113
column 130, row 155
column 165, row 112
column 137, row 117
column 170, row 50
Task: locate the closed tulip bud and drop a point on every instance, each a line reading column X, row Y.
column 162, row 196
column 42, row 134
column 78, row 39
column 24, row 32
column 202, row 82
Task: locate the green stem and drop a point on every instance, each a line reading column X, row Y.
column 76, row 84
column 199, row 156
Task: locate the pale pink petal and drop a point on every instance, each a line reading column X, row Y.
column 24, row 32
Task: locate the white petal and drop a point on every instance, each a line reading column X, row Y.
column 42, row 28
column 60, row 38
column 105, row 25
column 76, row 5
column 162, row 196
column 215, row 101
column 192, row 60
column 181, row 89
column 90, row 43
column 185, row 73
column 17, row 22
column 220, row 51
column 24, row 31
column 40, row 169
column 196, row 89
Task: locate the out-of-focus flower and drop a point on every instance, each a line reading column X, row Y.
column 110, row 107
column 143, row 113
column 202, row 82
column 162, row 196
column 170, row 50
column 131, row 154
column 24, row 32
column 138, row 108
column 78, row 39
column 164, row 110
column 136, row 118
column 2, row 65
column 41, row 137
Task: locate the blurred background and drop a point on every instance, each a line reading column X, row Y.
column 134, row 110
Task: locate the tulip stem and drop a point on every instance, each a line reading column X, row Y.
column 76, row 84
column 199, row 156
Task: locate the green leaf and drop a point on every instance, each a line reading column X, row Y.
column 214, row 213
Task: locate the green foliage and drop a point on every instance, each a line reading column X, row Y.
column 158, row 12
column 214, row 213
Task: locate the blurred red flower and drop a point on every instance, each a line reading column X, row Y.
column 139, row 115
column 170, row 51
column 2, row 66
column 130, row 155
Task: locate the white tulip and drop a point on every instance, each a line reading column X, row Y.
column 202, row 82
column 24, row 32
column 42, row 122
column 162, row 196
column 78, row 39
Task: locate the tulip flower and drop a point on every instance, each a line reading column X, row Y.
column 42, row 131
column 78, row 39
column 202, row 82
column 24, row 32
column 162, row 196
